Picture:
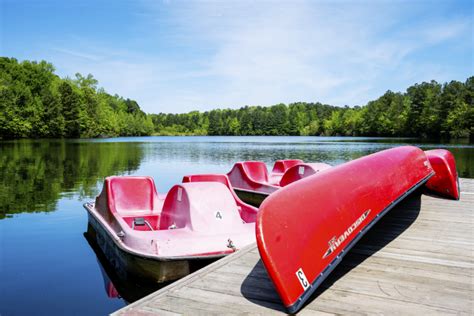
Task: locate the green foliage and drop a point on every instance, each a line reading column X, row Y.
column 72, row 108
column 35, row 102
column 424, row 110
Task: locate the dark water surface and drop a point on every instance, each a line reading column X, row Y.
column 47, row 267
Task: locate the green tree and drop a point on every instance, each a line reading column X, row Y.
column 71, row 105
column 52, row 117
column 461, row 120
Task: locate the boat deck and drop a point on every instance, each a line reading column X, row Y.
column 418, row 259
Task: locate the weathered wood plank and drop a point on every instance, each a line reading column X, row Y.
column 438, row 293
column 369, row 304
column 466, row 185
column 399, row 269
column 217, row 299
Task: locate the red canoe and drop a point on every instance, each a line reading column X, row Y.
column 253, row 183
column 445, row 182
column 305, row 229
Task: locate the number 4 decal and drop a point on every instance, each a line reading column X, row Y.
column 302, row 278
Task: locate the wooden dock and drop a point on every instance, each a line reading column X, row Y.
column 417, row 260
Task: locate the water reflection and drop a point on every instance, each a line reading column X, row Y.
column 35, row 174
column 117, row 283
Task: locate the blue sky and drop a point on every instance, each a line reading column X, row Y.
column 179, row 56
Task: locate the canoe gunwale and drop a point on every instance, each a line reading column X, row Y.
column 302, row 299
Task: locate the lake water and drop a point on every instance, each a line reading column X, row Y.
column 47, row 266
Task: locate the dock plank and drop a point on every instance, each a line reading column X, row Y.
column 419, row 259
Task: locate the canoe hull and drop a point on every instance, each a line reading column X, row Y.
column 445, row 182
column 305, row 229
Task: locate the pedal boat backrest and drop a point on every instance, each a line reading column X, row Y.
column 200, row 206
column 247, row 212
column 248, row 173
column 281, row 166
column 128, row 196
column 300, row 171
column 256, row 170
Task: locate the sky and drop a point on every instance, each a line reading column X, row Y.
column 179, row 56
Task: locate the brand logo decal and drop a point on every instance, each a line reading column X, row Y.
column 335, row 242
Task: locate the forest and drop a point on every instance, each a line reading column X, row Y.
column 37, row 103
column 428, row 110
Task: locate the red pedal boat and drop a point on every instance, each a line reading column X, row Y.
column 252, row 182
column 160, row 238
column 305, row 229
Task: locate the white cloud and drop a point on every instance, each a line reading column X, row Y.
column 230, row 54
column 77, row 54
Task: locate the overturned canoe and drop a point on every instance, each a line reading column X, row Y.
column 305, row 229
column 159, row 238
column 253, row 183
column 445, row 182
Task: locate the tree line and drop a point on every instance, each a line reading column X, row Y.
column 429, row 109
column 35, row 102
